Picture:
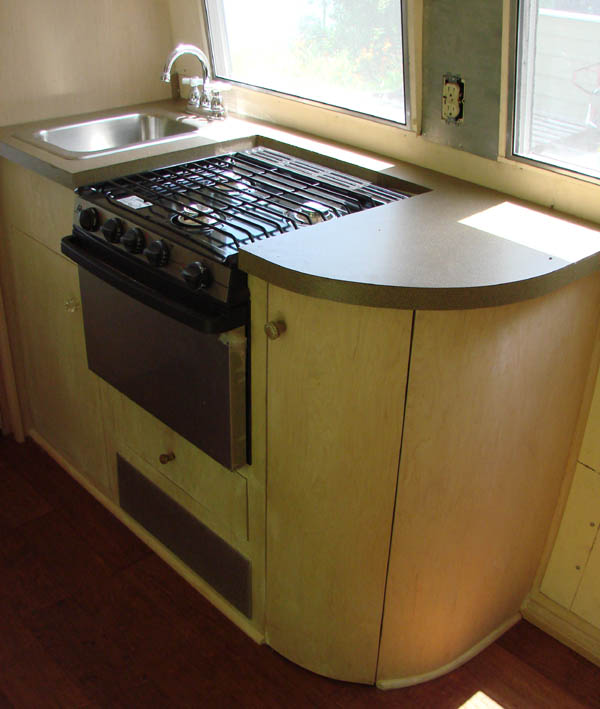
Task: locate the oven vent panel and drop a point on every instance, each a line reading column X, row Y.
column 326, row 175
column 203, row 551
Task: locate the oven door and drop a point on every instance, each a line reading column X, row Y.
column 185, row 366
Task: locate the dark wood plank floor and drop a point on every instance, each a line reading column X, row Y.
column 89, row 617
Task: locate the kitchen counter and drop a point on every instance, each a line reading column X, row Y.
column 453, row 246
column 394, row 520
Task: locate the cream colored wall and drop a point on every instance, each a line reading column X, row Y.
column 63, row 57
column 187, row 24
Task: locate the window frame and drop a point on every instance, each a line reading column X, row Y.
column 514, row 51
column 406, row 70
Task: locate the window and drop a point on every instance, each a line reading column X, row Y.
column 342, row 53
column 557, row 96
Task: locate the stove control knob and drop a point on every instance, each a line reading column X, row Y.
column 197, row 275
column 112, row 230
column 133, row 241
column 157, row 253
column 88, row 219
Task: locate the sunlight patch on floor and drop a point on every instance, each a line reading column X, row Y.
column 480, row 700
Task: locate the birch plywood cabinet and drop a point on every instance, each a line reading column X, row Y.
column 336, row 382
column 445, row 434
column 58, row 397
column 60, row 394
column 572, row 577
column 406, row 465
column 486, row 439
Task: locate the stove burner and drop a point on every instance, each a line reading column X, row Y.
column 310, row 213
column 194, row 217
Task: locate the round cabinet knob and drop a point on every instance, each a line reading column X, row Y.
column 133, row 240
column 157, row 253
column 165, row 458
column 112, row 230
column 275, row 328
column 72, row 304
column 197, row 275
column 88, row 219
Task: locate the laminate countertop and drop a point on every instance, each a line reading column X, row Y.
column 452, row 245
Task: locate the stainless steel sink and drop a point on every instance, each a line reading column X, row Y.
column 107, row 135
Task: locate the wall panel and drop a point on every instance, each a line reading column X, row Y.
column 71, row 56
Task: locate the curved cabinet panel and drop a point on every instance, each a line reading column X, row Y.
column 336, row 383
column 492, row 404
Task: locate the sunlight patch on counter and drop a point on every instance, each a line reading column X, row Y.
column 480, row 700
column 320, row 146
column 543, row 232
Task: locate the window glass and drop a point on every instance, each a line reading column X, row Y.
column 345, row 53
column 557, row 97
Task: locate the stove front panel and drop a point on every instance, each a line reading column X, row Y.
column 192, row 381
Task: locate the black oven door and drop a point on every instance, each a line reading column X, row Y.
column 185, row 365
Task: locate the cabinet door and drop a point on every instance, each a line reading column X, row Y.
column 488, row 429
column 336, row 383
column 63, row 396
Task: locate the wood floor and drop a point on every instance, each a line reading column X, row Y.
column 89, row 617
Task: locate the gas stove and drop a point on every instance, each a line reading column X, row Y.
column 182, row 226
column 165, row 308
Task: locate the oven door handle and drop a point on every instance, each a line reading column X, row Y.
column 209, row 319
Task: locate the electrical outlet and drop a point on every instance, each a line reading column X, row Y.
column 453, row 97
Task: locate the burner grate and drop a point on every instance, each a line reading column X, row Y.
column 223, row 202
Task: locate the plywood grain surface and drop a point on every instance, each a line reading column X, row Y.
column 336, row 382
column 493, row 400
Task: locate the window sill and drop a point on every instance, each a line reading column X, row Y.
column 359, row 131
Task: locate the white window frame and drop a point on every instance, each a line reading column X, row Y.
column 516, row 122
column 250, row 98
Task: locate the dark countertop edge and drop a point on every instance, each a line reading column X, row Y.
column 135, row 163
column 408, row 298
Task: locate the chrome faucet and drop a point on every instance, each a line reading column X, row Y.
column 207, row 102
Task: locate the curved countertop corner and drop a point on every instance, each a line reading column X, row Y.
column 457, row 246
column 453, row 246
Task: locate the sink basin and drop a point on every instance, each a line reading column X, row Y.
column 107, row 135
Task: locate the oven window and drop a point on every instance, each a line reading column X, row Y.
column 343, row 53
column 557, row 96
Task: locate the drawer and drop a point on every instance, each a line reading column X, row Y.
column 216, row 496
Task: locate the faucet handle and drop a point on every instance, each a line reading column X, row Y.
column 216, row 105
column 215, row 89
column 192, row 80
column 207, row 101
column 197, row 98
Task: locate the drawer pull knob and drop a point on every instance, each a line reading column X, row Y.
column 166, row 457
column 275, row 328
column 72, row 304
